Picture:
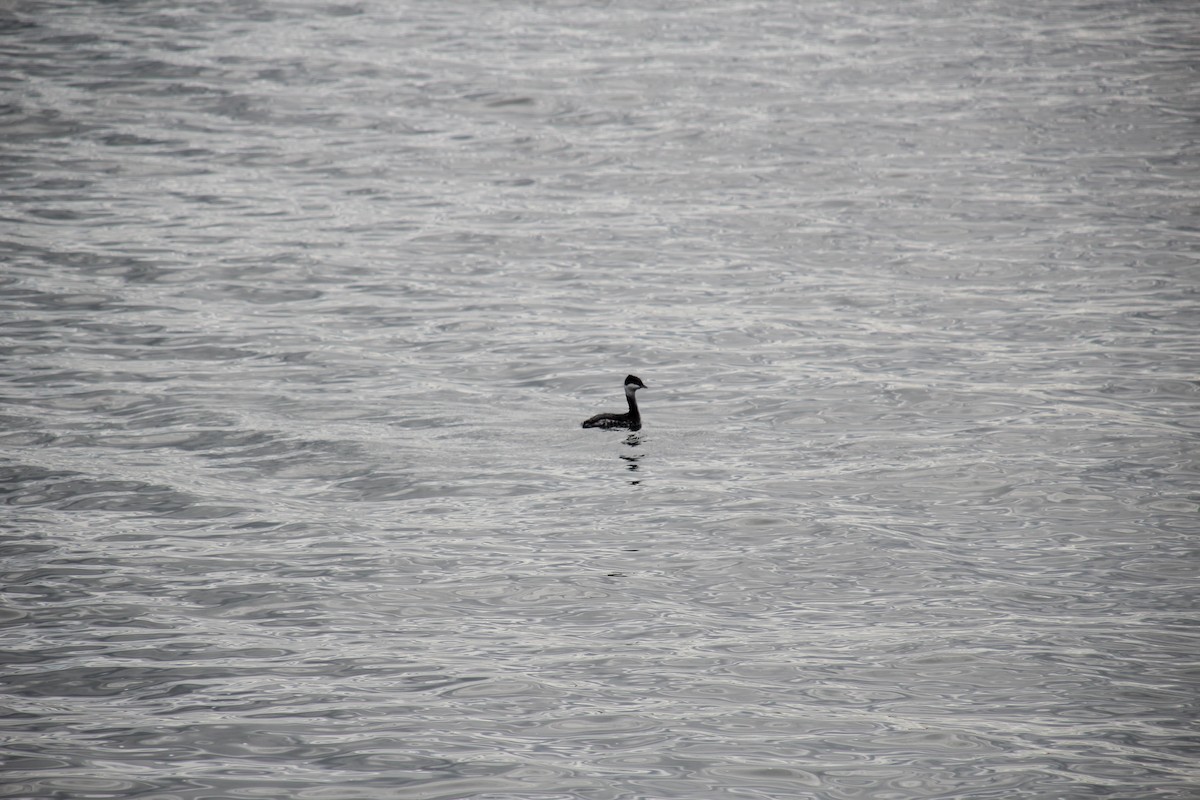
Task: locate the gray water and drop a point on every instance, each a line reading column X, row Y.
column 303, row 303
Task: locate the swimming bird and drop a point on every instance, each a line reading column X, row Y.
column 631, row 420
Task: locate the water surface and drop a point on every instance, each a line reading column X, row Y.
column 303, row 303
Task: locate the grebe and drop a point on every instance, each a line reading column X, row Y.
column 632, row 420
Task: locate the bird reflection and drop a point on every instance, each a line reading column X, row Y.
column 631, row 460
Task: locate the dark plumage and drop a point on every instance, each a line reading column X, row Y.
column 631, row 420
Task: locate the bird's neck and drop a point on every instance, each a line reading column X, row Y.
column 631, row 397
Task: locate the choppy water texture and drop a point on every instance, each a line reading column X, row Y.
column 303, row 303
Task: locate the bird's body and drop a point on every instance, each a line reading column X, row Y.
column 632, row 420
